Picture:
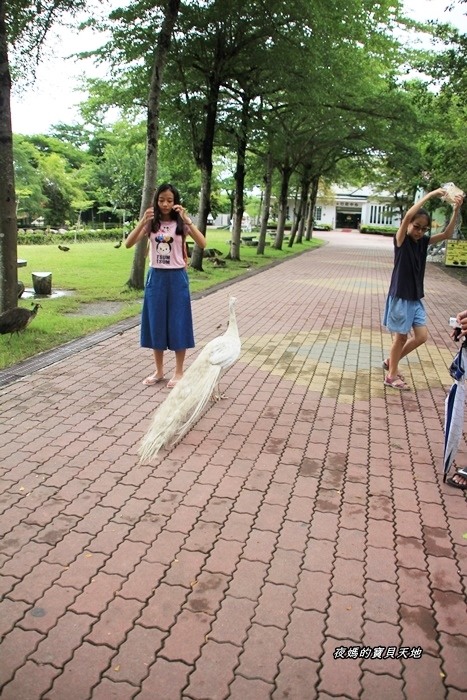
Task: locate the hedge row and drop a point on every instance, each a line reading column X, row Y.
column 40, row 238
column 392, row 230
column 382, row 230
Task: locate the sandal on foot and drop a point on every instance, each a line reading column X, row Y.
column 457, row 485
column 462, row 471
column 396, row 383
column 171, row 383
column 385, row 365
column 153, row 379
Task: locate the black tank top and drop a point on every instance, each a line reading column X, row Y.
column 409, row 269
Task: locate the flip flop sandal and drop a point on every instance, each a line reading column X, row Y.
column 462, row 472
column 456, row 484
column 385, row 365
column 150, row 381
column 171, row 383
column 396, row 383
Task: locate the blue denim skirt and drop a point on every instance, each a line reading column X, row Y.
column 166, row 320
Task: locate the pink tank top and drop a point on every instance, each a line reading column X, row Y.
column 166, row 247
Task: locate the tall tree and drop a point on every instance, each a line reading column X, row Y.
column 170, row 14
column 218, row 43
column 23, row 29
column 140, row 37
column 8, row 226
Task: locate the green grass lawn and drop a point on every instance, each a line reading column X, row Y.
column 97, row 272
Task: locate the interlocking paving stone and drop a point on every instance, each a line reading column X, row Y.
column 214, row 671
column 14, row 650
column 299, row 542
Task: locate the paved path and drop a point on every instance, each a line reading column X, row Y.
column 299, row 543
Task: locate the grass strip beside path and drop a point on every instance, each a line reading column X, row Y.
column 98, row 272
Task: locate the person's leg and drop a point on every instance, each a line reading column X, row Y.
column 403, row 345
column 399, row 342
column 398, row 321
column 399, row 316
column 158, row 375
column 179, row 362
column 420, row 335
column 159, row 360
column 180, row 324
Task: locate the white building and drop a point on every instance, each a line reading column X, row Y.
column 348, row 208
column 343, row 208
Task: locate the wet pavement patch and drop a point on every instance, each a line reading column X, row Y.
column 98, row 308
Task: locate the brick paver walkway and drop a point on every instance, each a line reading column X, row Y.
column 299, row 543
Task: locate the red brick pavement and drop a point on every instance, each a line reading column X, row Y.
column 302, row 519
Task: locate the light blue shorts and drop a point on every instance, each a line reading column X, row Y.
column 401, row 315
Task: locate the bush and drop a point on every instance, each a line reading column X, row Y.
column 273, row 225
column 382, row 230
column 322, row 227
column 41, row 238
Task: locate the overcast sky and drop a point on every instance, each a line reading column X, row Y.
column 53, row 97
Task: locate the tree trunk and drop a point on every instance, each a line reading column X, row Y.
column 8, row 225
column 286, row 172
column 266, row 205
column 136, row 280
column 196, row 261
column 236, row 234
column 295, row 212
column 300, row 213
column 311, row 208
column 303, row 220
column 239, row 206
column 203, row 158
column 295, row 219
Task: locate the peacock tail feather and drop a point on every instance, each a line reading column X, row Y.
column 190, row 396
column 181, row 409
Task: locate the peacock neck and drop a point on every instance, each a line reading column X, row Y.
column 232, row 327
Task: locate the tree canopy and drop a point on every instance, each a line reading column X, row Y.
column 290, row 94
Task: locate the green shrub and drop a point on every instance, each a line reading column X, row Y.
column 273, row 225
column 84, row 236
column 382, row 230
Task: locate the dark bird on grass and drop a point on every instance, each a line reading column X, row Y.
column 64, row 248
column 211, row 253
column 191, row 394
column 118, row 245
column 15, row 320
column 217, row 262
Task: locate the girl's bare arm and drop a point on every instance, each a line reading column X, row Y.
column 141, row 228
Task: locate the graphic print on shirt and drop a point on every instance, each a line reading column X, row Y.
column 163, row 249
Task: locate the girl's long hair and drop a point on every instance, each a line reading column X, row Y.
column 422, row 212
column 156, row 222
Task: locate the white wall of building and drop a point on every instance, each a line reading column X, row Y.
column 361, row 204
column 325, row 213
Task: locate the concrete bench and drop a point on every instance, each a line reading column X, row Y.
column 249, row 240
column 42, row 283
